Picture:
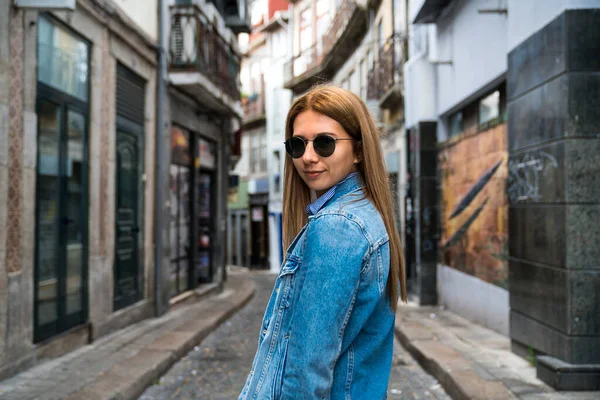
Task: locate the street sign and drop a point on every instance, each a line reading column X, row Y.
column 46, row 4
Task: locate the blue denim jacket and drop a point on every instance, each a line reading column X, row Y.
column 328, row 330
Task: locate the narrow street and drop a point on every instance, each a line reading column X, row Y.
column 217, row 368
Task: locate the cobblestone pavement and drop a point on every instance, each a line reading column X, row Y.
column 217, row 368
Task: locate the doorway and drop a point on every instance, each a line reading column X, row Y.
column 61, row 242
column 129, row 265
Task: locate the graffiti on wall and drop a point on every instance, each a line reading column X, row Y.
column 525, row 173
column 474, row 208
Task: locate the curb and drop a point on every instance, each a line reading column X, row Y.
column 447, row 366
column 128, row 380
column 432, row 367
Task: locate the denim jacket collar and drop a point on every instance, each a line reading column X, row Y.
column 347, row 185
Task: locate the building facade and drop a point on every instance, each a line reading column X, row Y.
column 79, row 167
column 500, row 138
column 204, row 111
column 79, row 245
column 360, row 46
column 265, row 103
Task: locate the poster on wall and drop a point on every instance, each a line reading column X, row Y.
column 204, row 196
column 475, row 205
column 257, row 214
column 207, row 154
column 180, row 146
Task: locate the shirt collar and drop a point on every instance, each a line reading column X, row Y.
column 318, row 204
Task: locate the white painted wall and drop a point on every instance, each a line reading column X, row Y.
column 473, row 298
column 278, row 101
column 527, row 16
column 144, row 13
column 477, row 46
column 414, row 6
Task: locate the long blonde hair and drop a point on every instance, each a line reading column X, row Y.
column 351, row 112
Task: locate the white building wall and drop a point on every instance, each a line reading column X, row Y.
column 144, row 13
column 476, row 44
column 278, row 101
column 528, row 17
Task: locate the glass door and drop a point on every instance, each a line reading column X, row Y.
column 204, row 248
column 127, row 233
column 61, row 212
column 180, row 225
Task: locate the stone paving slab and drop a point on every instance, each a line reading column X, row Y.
column 469, row 360
column 121, row 365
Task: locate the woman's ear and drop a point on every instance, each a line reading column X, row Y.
column 358, row 153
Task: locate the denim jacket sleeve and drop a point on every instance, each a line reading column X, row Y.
column 334, row 252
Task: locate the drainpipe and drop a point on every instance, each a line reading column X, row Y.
column 161, row 83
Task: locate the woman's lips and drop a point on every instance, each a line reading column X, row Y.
column 313, row 174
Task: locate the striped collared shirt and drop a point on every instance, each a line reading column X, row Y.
column 314, row 207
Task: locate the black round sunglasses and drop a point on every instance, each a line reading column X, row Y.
column 324, row 145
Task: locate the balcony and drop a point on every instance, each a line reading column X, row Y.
column 203, row 58
column 321, row 61
column 305, row 69
column 385, row 81
column 344, row 35
column 254, row 108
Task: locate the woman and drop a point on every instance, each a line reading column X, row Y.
column 328, row 329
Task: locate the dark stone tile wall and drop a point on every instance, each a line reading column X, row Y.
column 540, row 292
column 583, row 38
column 425, row 154
column 582, row 170
column 583, row 236
column 568, row 348
column 569, row 43
column 537, row 60
column 584, row 302
column 553, row 90
column 537, row 233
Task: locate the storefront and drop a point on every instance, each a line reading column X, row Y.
column 192, row 204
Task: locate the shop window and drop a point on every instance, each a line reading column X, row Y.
column 489, row 107
column 62, row 60
column 455, row 124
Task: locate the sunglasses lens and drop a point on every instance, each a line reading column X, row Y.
column 324, row 145
column 295, row 147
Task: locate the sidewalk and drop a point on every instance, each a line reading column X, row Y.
column 470, row 361
column 121, row 365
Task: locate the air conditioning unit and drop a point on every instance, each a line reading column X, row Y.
column 46, row 4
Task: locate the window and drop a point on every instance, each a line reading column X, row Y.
column 62, row 60
column 276, row 169
column 305, row 31
column 489, row 107
column 455, row 124
column 380, row 36
column 254, row 145
column 351, row 85
column 258, row 152
column 363, row 79
column 322, row 22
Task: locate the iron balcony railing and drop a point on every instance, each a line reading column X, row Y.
column 339, row 24
column 387, row 68
column 254, row 104
column 304, row 62
column 196, row 46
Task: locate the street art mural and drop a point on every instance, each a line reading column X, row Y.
column 473, row 176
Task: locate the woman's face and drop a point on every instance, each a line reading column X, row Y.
column 322, row 173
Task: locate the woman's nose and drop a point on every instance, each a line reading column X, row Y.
column 310, row 155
